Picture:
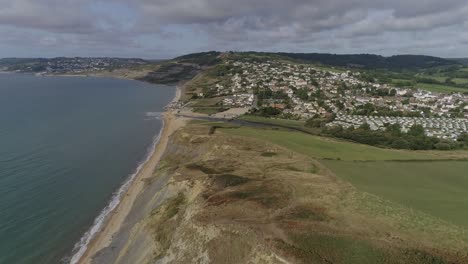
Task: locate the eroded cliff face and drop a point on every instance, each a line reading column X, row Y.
column 217, row 198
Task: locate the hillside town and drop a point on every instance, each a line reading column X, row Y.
column 302, row 92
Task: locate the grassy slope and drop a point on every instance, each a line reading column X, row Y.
column 437, row 188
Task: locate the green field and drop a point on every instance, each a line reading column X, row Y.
column 274, row 121
column 206, row 102
column 437, row 87
column 434, row 77
column 325, row 148
column 208, row 110
column 440, row 88
column 395, row 80
column 437, row 188
column 207, row 105
column 460, row 80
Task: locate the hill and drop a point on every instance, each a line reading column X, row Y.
column 202, row 58
column 183, row 68
column 368, row 61
column 463, row 61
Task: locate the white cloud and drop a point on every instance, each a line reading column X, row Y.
column 296, row 25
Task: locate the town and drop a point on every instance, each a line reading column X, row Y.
column 75, row 65
column 302, row 92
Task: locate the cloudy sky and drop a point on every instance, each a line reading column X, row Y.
column 167, row 28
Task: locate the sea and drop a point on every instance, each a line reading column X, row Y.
column 69, row 146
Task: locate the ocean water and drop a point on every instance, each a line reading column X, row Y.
column 67, row 144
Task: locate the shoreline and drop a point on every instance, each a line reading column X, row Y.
column 117, row 215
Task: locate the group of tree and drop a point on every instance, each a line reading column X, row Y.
column 381, row 92
column 320, row 121
column 266, row 111
column 264, row 94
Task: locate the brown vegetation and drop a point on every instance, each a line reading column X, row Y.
column 245, row 201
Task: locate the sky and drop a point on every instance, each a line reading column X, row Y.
column 160, row 29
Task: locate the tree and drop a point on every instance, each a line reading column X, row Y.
column 268, row 111
column 394, row 129
column 314, row 82
column 365, row 126
column 463, row 138
column 417, row 131
column 400, row 144
column 314, row 122
column 442, row 146
column 340, row 105
column 302, row 94
column 392, row 92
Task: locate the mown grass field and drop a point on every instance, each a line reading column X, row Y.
column 437, row 87
column 461, row 80
column 326, row 148
column 437, row 188
column 207, row 105
column 274, row 121
column 440, row 88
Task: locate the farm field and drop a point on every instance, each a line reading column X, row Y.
column 440, row 88
column 435, row 87
column 274, row 121
column 437, row 188
column 460, row 80
column 207, row 105
column 327, row 148
column 434, row 77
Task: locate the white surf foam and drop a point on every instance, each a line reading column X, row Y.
column 81, row 246
column 153, row 115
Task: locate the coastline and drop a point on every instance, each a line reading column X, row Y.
column 115, row 218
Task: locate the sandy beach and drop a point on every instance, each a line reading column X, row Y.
column 117, row 217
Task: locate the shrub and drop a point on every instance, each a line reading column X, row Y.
column 442, row 146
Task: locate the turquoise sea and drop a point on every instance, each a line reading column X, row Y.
column 67, row 145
